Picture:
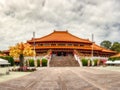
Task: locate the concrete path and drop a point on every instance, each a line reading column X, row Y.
column 66, row 78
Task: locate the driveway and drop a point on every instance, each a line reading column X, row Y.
column 66, row 78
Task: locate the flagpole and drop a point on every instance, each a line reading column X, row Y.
column 92, row 49
column 92, row 45
column 34, row 47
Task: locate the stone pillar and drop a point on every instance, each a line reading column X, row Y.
column 28, row 64
column 35, row 63
column 92, row 62
column 40, row 62
column 88, row 63
column 98, row 62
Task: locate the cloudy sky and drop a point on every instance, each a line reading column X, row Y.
column 20, row 18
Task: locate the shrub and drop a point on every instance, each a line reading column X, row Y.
column 44, row 62
column 31, row 62
column 11, row 61
column 38, row 62
column 95, row 62
column 84, row 62
column 114, row 58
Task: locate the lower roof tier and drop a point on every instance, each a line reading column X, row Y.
column 74, row 48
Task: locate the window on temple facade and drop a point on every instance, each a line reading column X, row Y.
column 75, row 44
column 81, row 44
column 53, row 44
column 61, row 44
column 69, row 44
column 46, row 44
column 40, row 44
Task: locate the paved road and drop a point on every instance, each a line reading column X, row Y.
column 66, row 78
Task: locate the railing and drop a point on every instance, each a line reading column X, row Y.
column 73, row 47
column 48, row 57
column 78, row 59
column 95, row 57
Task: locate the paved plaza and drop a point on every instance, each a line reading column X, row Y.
column 65, row 78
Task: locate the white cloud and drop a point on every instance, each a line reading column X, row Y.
column 18, row 19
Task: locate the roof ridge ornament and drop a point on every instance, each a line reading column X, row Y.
column 60, row 30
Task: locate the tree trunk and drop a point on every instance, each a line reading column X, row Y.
column 21, row 57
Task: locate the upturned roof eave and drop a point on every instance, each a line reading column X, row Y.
column 31, row 41
column 53, row 37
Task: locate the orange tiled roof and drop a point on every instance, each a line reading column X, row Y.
column 6, row 51
column 64, row 47
column 96, row 47
column 2, row 54
column 60, row 36
column 107, row 50
column 117, row 55
column 65, row 36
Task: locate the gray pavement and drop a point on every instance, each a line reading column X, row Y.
column 65, row 78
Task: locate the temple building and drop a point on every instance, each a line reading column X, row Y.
column 63, row 43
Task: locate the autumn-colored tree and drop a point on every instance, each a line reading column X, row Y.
column 20, row 50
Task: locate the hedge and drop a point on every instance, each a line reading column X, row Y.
column 38, row 62
column 84, row 62
column 31, row 62
column 95, row 62
column 114, row 58
column 44, row 62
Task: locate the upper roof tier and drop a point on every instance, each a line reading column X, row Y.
column 60, row 36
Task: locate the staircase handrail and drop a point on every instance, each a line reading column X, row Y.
column 78, row 59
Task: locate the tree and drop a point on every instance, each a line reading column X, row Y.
column 1, row 52
column 20, row 50
column 106, row 44
column 116, row 46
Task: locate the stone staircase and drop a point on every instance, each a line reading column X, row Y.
column 63, row 61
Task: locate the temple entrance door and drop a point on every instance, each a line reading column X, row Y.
column 64, row 53
column 61, row 53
